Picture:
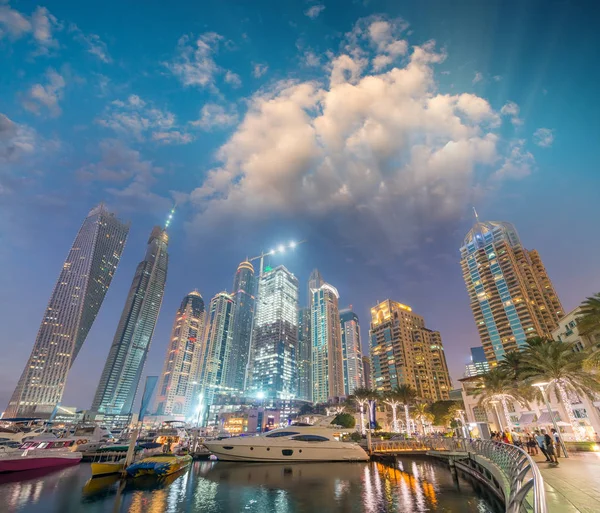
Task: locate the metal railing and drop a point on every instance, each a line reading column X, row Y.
column 526, row 484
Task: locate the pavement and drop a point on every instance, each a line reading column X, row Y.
column 574, row 484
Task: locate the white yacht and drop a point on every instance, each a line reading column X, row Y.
column 292, row 443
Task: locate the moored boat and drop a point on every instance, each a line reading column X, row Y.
column 34, row 454
column 159, row 465
column 110, row 459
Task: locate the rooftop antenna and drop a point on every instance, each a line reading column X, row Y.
column 170, row 217
column 476, row 216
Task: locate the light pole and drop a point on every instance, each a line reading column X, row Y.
column 542, row 388
column 462, row 421
column 495, row 405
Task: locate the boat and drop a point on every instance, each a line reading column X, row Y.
column 23, row 428
column 160, row 465
column 110, row 459
column 36, row 454
column 292, row 443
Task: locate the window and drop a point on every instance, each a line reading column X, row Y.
column 282, row 433
column 310, row 438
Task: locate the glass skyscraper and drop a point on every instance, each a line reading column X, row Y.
column 179, row 378
column 511, row 295
column 273, row 372
column 304, row 355
column 244, row 296
column 351, row 352
column 75, row 301
column 327, row 363
column 123, row 368
column 479, row 364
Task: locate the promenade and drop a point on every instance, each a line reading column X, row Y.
column 574, row 485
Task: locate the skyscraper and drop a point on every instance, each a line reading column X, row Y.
column 315, row 280
column 479, row 364
column 404, row 351
column 179, row 377
column 214, row 365
column 273, row 370
column 511, row 295
column 304, row 355
column 243, row 315
column 125, row 362
column 367, row 372
column 351, row 351
column 71, row 311
column 327, row 365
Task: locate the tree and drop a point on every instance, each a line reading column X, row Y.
column 442, row 411
column 306, row 409
column 556, row 363
column 407, row 396
column 344, row 420
column 511, row 364
column 422, row 415
column 393, row 400
column 362, row 396
column 588, row 320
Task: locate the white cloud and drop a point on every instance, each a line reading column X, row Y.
column 138, row 119
column 384, row 152
column 477, row 78
column 511, row 109
column 518, row 162
column 215, row 116
column 314, row 11
column 16, row 140
column 543, row 137
column 311, row 59
column 497, row 78
column 233, row 79
column 40, row 25
column 46, row 95
column 12, row 23
column 94, row 45
column 259, row 70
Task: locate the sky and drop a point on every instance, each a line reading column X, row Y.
column 368, row 128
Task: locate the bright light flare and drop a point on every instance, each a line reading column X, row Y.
column 281, row 248
column 292, row 244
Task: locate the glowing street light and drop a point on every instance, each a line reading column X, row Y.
column 292, row 244
column 281, row 248
column 542, row 387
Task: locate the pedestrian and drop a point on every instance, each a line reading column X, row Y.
column 539, row 438
column 507, row 437
column 556, row 441
column 532, row 445
column 549, row 444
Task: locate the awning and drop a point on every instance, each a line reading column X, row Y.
column 546, row 419
column 526, row 418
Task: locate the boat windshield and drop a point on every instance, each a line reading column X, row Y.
column 278, row 434
column 311, row 438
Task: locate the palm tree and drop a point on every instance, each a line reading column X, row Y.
column 393, row 400
column 563, row 369
column 362, row 397
column 588, row 320
column 422, row 415
column 511, row 363
column 407, row 396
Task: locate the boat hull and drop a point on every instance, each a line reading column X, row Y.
column 160, row 466
column 23, row 463
column 106, row 468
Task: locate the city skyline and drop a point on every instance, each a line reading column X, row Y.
column 350, row 128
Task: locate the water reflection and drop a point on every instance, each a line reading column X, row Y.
column 220, row 487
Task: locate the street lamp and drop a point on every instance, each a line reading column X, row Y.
column 281, row 248
column 542, row 387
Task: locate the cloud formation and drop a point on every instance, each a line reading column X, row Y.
column 92, row 42
column 43, row 98
column 213, row 116
column 40, row 25
column 383, row 150
column 314, row 11
column 258, row 70
column 511, row 109
column 543, row 137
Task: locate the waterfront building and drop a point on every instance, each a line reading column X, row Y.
column 243, row 316
column 304, row 355
column 479, row 364
column 127, row 355
column 214, row 365
column 273, row 372
column 315, row 280
column 568, row 332
column 351, row 352
column 511, row 295
column 404, row 351
column 367, row 371
column 178, row 381
column 327, row 364
column 74, row 303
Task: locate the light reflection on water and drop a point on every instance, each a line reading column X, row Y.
column 220, row 487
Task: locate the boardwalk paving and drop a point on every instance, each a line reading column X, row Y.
column 574, row 485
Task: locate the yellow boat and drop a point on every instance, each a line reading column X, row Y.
column 160, row 465
column 104, row 468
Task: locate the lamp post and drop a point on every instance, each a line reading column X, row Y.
column 495, row 405
column 542, row 387
column 462, row 421
column 281, row 248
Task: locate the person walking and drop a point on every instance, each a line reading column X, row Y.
column 539, row 438
column 556, row 438
column 549, row 443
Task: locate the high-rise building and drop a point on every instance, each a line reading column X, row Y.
column 511, row 295
column 404, row 351
column 367, row 372
column 214, row 365
column 77, row 296
column 568, row 332
column 304, row 355
column 351, row 352
column 127, row 355
column 315, row 280
column 243, row 316
column 479, row 364
column 179, row 378
column 273, row 367
column 327, row 364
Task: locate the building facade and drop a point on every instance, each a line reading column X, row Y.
column 73, row 306
column 351, row 352
column 178, row 381
column 273, row 372
column 568, row 332
column 304, row 355
column 125, row 362
column 511, row 295
column 244, row 293
column 479, row 364
column 404, row 351
column 367, row 372
column 327, row 362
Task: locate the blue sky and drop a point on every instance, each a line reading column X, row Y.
column 368, row 128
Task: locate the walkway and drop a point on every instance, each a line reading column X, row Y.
column 574, row 485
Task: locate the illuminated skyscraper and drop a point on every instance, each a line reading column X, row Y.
column 367, row 372
column 315, row 280
column 351, row 352
column 71, row 311
column 178, row 380
column 125, row 362
column 273, row 366
column 304, row 355
column 327, row 364
column 511, row 295
column 214, row 365
column 404, row 351
column 244, row 297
